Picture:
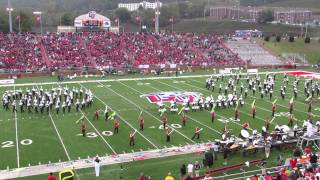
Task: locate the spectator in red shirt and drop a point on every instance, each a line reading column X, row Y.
column 51, row 177
column 293, row 163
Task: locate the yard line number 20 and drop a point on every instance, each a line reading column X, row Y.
column 8, row 144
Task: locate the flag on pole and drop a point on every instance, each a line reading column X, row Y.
column 171, row 19
column 140, row 114
column 212, row 110
column 112, row 115
column 274, row 102
column 181, row 110
column 82, row 117
column 162, row 111
column 18, row 18
column 291, row 100
column 309, row 98
column 253, row 103
column 236, row 106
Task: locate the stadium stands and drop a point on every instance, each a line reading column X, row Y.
column 74, row 50
column 252, row 53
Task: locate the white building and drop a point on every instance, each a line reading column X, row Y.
column 135, row 6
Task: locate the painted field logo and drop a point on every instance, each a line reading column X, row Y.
column 178, row 96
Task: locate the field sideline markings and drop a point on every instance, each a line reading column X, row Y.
column 167, row 106
column 94, row 128
column 148, row 113
column 17, row 139
column 123, row 119
column 106, row 142
column 132, row 79
column 61, row 141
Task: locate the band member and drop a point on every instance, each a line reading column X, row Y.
column 290, row 107
column 273, row 109
column 236, row 116
column 14, row 106
column 183, row 119
column 141, row 122
column 21, row 106
column 267, row 124
column 213, row 115
column 116, row 126
column 131, row 137
column 245, row 125
column 96, row 114
column 290, row 124
column 164, row 121
column 196, row 133
column 254, row 111
column 83, row 128
column 310, row 106
column 106, row 114
column 168, row 132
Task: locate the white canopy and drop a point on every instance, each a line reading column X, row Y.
column 92, row 19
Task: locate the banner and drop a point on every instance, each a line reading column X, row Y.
column 6, row 81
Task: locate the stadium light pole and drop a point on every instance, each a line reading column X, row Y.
column 39, row 13
column 10, row 9
column 157, row 14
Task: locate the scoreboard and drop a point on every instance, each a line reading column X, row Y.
column 92, row 23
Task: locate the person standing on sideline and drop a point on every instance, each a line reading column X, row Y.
column 190, row 169
column 197, row 169
column 183, row 172
column 169, row 177
column 97, row 165
column 215, row 148
column 51, row 177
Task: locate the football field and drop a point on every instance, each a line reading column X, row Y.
column 28, row 139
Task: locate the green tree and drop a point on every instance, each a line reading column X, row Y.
column 266, row 16
column 4, row 27
column 123, row 14
column 27, row 21
column 67, row 19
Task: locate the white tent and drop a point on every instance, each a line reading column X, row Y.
column 92, row 19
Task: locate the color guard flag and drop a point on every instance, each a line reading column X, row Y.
column 274, row 101
column 291, row 100
column 212, row 110
column 253, row 103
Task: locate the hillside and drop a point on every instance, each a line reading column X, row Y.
column 209, row 25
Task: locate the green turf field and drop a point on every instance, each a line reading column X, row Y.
column 29, row 138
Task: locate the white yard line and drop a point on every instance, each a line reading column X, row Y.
column 17, row 139
column 61, row 141
column 148, row 113
column 167, row 106
column 103, row 139
column 121, row 118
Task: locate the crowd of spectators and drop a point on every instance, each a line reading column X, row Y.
column 100, row 49
column 20, row 52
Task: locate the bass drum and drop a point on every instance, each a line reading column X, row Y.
column 244, row 134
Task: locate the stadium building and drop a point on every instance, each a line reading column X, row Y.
column 135, row 6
